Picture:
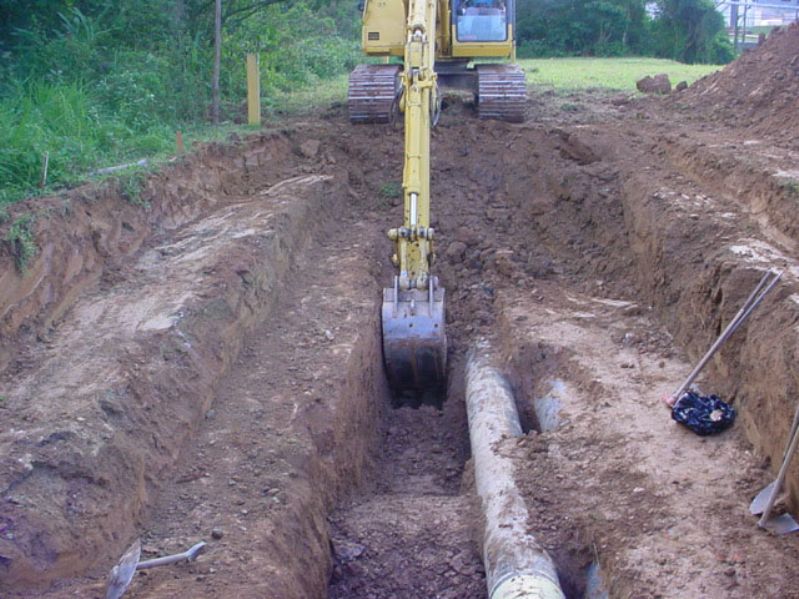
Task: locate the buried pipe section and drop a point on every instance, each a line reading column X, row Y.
column 516, row 565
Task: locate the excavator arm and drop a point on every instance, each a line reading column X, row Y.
column 419, row 97
column 414, row 339
column 423, row 32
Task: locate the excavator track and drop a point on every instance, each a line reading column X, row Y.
column 372, row 91
column 501, row 92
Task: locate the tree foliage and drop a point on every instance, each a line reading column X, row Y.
column 93, row 81
column 106, row 81
column 690, row 31
column 686, row 30
column 598, row 27
column 154, row 57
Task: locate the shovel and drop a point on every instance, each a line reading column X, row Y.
column 758, row 505
column 784, row 523
column 770, row 278
column 121, row 574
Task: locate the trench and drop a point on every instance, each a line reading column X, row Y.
column 413, row 532
column 309, row 482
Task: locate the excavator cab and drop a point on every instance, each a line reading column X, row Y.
column 480, row 21
column 466, row 30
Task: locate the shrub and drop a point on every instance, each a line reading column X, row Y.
column 21, row 242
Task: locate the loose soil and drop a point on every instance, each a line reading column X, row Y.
column 205, row 363
column 756, row 93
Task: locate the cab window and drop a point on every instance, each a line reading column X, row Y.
column 481, row 21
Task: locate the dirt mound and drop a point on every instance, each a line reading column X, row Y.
column 758, row 91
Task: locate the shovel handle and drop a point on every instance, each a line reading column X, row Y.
column 746, row 309
column 189, row 555
column 780, row 478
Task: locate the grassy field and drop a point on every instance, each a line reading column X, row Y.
column 324, row 93
column 561, row 74
column 570, row 74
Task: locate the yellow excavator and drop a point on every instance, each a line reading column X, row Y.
column 437, row 40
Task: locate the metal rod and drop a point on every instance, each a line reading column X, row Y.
column 757, row 301
column 745, row 310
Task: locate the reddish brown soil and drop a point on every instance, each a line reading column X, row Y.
column 209, row 368
column 757, row 93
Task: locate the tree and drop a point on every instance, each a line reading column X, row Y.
column 594, row 27
column 690, row 31
column 685, row 30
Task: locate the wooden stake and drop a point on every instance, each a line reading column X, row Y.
column 253, row 90
column 217, row 62
column 179, row 142
column 45, row 164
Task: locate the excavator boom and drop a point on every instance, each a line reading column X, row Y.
column 413, row 319
column 437, row 40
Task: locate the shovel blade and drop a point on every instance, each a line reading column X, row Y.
column 780, row 525
column 414, row 343
column 121, row 574
column 758, row 505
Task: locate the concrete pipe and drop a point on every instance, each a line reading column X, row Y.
column 517, row 567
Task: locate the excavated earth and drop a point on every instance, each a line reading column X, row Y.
column 203, row 361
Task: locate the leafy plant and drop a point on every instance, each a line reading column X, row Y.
column 391, row 190
column 131, row 186
column 21, row 241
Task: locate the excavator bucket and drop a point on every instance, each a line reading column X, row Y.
column 415, row 342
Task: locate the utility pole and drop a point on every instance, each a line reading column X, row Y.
column 217, row 62
column 743, row 36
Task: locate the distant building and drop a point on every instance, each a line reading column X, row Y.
column 759, row 13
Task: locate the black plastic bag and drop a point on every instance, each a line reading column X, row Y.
column 703, row 415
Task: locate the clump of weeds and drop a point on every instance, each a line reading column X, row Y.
column 21, row 242
column 131, row 185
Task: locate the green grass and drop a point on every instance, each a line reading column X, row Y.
column 391, row 189
column 618, row 74
column 82, row 137
column 790, row 185
column 305, row 100
column 66, row 122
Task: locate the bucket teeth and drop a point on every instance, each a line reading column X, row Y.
column 415, row 342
